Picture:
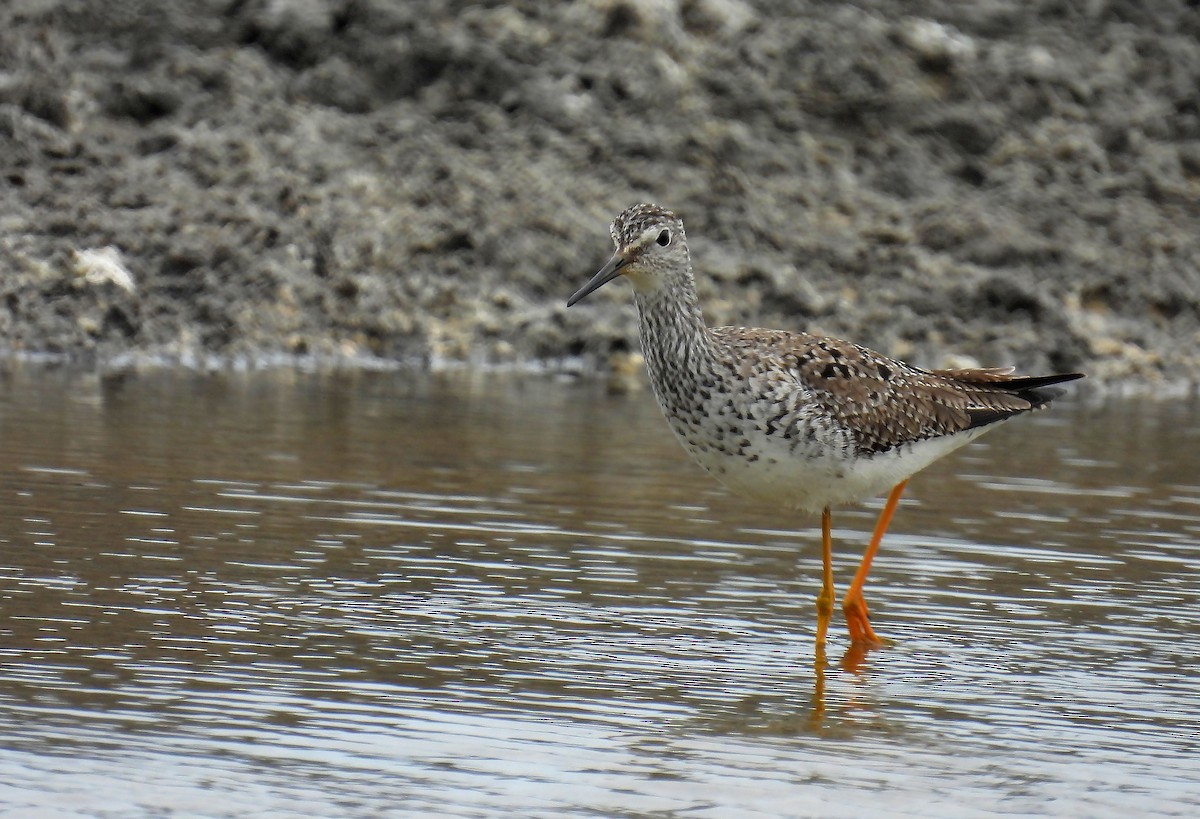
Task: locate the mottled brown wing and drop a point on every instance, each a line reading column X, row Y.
column 885, row 402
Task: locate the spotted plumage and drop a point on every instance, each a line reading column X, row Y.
column 796, row 420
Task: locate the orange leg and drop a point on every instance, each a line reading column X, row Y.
column 854, row 606
column 826, row 597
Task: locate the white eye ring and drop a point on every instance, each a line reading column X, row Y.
column 664, row 238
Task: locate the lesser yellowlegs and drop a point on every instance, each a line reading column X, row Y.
column 796, row 420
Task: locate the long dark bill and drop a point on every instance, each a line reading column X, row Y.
column 607, row 273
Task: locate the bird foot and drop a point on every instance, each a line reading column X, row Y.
column 858, row 624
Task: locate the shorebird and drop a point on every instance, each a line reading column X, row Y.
column 796, row 420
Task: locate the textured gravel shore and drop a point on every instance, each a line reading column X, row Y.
column 992, row 182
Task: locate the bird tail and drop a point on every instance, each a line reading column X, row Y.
column 1034, row 392
column 1038, row 390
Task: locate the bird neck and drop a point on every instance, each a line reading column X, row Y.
column 674, row 337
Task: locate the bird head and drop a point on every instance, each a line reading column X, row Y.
column 650, row 247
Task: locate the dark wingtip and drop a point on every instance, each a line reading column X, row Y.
column 1033, row 382
column 1038, row 390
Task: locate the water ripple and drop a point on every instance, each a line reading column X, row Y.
column 304, row 611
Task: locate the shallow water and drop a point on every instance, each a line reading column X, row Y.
column 366, row 594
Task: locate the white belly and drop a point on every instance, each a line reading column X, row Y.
column 810, row 481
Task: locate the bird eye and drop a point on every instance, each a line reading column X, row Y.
column 664, row 238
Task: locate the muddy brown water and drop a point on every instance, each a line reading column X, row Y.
column 365, row 594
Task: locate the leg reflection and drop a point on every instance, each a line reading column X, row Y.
column 853, row 661
column 816, row 716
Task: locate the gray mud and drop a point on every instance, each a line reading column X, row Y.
column 1012, row 182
